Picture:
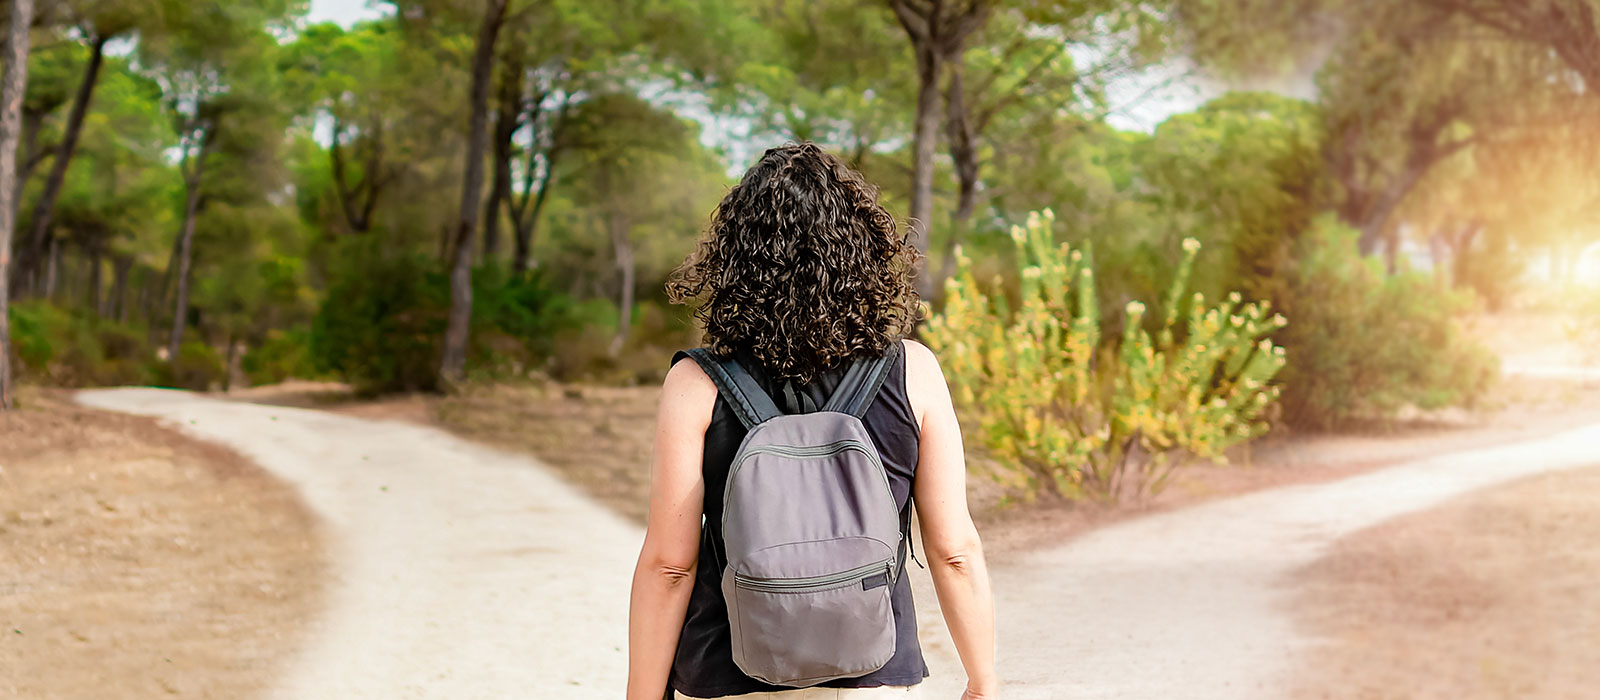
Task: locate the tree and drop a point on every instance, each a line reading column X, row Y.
column 1404, row 87
column 115, row 203
column 622, row 145
column 452, row 365
column 938, row 32
column 94, row 24
column 13, row 87
column 819, row 76
column 220, row 87
column 537, row 84
column 556, row 54
column 1241, row 175
column 354, row 82
column 96, row 36
column 1023, row 68
column 1569, row 29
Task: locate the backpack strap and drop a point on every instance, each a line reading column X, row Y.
column 749, row 402
column 861, row 383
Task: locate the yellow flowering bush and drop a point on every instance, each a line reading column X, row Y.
column 1063, row 408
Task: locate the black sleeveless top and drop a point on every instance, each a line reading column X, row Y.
column 704, row 664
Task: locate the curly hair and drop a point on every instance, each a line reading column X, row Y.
column 801, row 267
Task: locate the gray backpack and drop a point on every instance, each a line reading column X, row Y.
column 812, row 535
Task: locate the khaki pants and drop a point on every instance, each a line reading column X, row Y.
column 896, row 692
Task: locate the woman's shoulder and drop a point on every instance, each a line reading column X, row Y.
column 925, row 386
column 920, row 360
column 688, row 391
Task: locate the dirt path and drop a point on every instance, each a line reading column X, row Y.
column 1189, row 603
column 459, row 571
column 465, row 572
column 1486, row 597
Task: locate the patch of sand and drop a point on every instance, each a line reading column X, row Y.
column 137, row 563
column 1490, row 596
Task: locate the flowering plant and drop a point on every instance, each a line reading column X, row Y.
column 1107, row 418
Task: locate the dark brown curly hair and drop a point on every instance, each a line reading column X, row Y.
column 801, row 267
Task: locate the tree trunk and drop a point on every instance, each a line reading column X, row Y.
column 525, row 215
column 28, row 157
column 1374, row 221
column 453, row 363
column 12, row 87
column 45, row 208
column 52, row 267
column 622, row 245
column 924, row 140
column 229, row 365
column 506, row 121
column 353, row 211
column 1391, row 248
column 119, row 287
column 525, row 206
column 180, row 309
column 964, row 153
column 96, row 300
column 528, row 225
column 938, row 29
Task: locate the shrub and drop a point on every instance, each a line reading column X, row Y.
column 198, row 367
column 1365, row 344
column 281, row 355
column 1092, row 416
column 65, row 347
column 382, row 324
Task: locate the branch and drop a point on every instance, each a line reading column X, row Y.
column 915, row 25
column 976, row 14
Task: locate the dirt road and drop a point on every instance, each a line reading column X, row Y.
column 460, row 572
column 464, row 572
column 1190, row 603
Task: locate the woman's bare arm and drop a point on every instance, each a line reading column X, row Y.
column 955, row 554
column 665, row 572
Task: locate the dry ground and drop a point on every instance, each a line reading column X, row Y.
column 599, row 438
column 1492, row 596
column 137, row 563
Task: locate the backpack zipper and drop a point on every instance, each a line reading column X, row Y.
column 813, row 584
column 810, row 452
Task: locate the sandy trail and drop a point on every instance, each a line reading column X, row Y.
column 460, row 572
column 463, row 572
column 1188, row 603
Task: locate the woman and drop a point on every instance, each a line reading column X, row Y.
column 800, row 272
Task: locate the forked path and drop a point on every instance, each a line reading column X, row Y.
column 464, row 572
column 460, row 571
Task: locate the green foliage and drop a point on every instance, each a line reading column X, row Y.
column 1087, row 415
column 384, row 317
column 282, row 355
column 61, row 347
column 198, row 367
column 1366, row 344
column 382, row 321
column 1238, row 175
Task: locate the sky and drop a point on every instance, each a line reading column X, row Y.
column 344, row 12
